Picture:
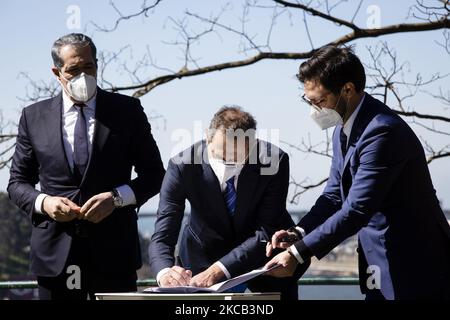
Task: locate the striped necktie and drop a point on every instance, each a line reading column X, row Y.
column 230, row 196
column 230, row 201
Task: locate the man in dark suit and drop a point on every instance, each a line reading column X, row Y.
column 237, row 188
column 81, row 146
column 379, row 187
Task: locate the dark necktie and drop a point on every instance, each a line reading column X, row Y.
column 343, row 139
column 80, row 148
column 230, row 196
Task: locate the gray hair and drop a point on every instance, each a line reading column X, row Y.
column 78, row 40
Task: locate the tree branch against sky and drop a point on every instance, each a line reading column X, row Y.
column 435, row 18
column 238, row 26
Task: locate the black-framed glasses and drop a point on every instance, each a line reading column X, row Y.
column 314, row 105
column 310, row 103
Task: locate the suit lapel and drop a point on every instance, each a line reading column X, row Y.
column 53, row 126
column 247, row 182
column 342, row 159
column 349, row 153
column 101, row 130
column 359, row 125
column 364, row 116
column 214, row 196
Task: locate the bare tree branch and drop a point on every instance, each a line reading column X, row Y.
column 37, row 90
column 438, row 155
column 317, row 13
column 144, row 11
column 302, row 187
column 310, row 148
column 422, row 116
column 5, row 142
column 144, row 88
column 387, row 78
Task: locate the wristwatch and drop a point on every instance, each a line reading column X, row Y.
column 298, row 236
column 117, row 199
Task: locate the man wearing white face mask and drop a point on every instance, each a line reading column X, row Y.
column 236, row 206
column 379, row 188
column 81, row 146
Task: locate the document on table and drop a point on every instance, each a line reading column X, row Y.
column 217, row 288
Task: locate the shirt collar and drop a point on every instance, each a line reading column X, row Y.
column 68, row 104
column 347, row 128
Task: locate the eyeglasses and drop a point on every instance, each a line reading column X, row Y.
column 314, row 105
column 309, row 102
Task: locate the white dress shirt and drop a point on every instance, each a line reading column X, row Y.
column 347, row 128
column 69, row 119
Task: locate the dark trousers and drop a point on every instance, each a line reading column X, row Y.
column 374, row 295
column 64, row 286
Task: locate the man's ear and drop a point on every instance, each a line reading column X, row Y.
column 209, row 132
column 56, row 72
column 349, row 88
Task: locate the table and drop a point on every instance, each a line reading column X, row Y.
column 189, row 296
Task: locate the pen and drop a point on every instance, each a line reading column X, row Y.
column 285, row 239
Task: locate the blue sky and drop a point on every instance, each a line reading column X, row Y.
column 268, row 89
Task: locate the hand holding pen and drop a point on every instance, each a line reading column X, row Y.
column 282, row 239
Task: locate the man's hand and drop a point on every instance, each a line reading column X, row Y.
column 277, row 243
column 60, row 209
column 207, row 278
column 98, row 207
column 175, row 277
column 288, row 265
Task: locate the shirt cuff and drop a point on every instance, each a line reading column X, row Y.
column 127, row 195
column 160, row 274
column 38, row 203
column 301, row 230
column 297, row 255
column 225, row 271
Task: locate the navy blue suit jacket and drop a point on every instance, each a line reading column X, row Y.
column 383, row 191
column 122, row 139
column 211, row 233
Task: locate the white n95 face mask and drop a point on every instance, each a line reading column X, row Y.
column 225, row 171
column 82, row 87
column 325, row 117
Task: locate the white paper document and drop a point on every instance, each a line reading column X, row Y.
column 217, row 288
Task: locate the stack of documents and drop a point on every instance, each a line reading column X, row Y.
column 217, row 288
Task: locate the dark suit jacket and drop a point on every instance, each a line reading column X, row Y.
column 382, row 190
column 122, row 139
column 212, row 234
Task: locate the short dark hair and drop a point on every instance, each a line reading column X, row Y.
column 232, row 117
column 333, row 67
column 78, row 40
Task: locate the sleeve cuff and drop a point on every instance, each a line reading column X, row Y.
column 297, row 256
column 225, row 271
column 38, row 203
column 302, row 249
column 301, row 230
column 160, row 274
column 127, row 195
